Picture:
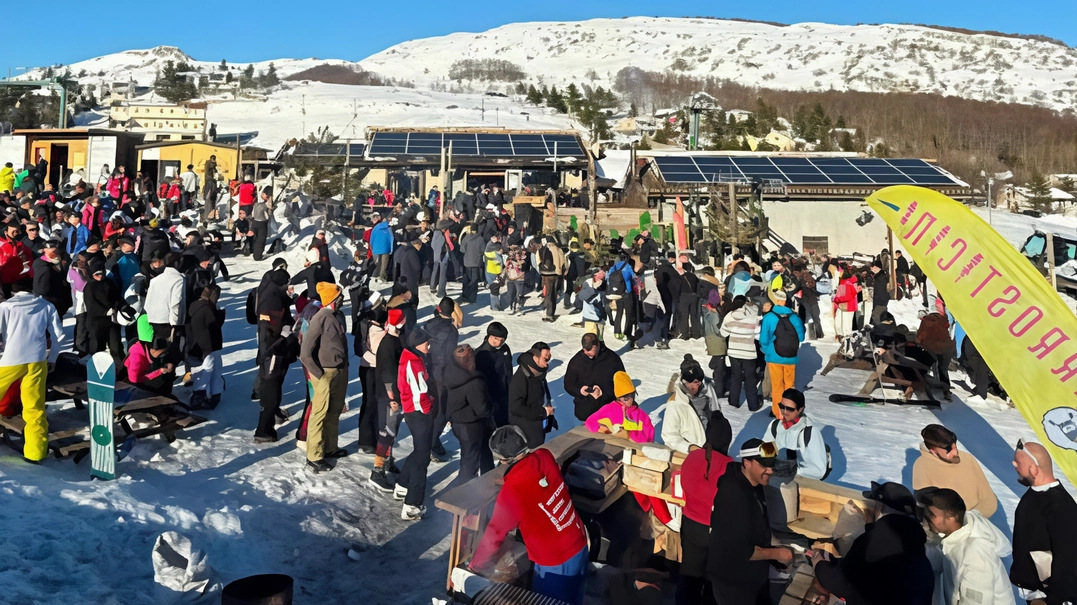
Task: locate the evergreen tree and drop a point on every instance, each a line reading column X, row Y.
column 520, row 89
column 1039, row 194
column 1066, row 184
column 847, row 143
column 534, row 97
column 270, row 78
column 632, row 111
column 766, row 118
column 573, row 98
column 228, row 77
column 246, row 80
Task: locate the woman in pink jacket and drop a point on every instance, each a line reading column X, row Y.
column 623, row 414
column 845, row 304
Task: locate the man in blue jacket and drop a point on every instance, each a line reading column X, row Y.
column 780, row 346
column 381, row 246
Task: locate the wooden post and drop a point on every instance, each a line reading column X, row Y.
column 444, row 188
column 893, row 262
column 735, row 227
column 1051, row 260
column 592, row 193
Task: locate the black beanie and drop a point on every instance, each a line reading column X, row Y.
column 497, row 329
column 719, row 433
column 691, row 371
column 446, row 306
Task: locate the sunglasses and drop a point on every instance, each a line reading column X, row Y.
column 1021, row 448
column 786, row 408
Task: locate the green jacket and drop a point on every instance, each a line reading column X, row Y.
column 20, row 177
column 712, row 326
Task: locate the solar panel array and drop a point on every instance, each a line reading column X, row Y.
column 475, row 144
column 800, row 171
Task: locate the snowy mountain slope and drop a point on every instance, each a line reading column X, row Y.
column 297, row 109
column 804, row 56
column 140, row 66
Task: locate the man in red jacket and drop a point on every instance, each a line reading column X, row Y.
column 16, row 260
column 535, row 498
column 413, row 384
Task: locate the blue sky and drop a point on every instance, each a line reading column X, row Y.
column 342, row 29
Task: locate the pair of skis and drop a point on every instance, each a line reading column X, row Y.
column 867, row 399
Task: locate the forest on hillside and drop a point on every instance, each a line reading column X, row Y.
column 965, row 136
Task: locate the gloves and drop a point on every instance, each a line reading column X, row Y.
column 551, row 423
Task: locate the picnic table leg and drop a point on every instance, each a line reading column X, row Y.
column 454, row 551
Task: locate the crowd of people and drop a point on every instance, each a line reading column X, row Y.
column 141, row 283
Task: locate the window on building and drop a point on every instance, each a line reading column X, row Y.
column 187, row 137
column 816, row 244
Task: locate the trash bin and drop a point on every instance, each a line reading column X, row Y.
column 263, row 589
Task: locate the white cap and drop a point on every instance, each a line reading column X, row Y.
column 491, row 207
column 313, row 255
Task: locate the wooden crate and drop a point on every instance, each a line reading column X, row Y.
column 645, row 480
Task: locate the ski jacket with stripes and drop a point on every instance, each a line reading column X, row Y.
column 413, row 383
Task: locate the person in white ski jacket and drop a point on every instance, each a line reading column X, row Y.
column 165, row 304
column 973, row 572
column 793, row 432
column 689, row 409
column 25, row 321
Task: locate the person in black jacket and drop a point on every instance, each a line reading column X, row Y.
column 102, row 298
column 473, row 247
column 529, row 395
column 204, row 327
column 471, row 415
column 740, row 550
column 279, row 354
column 443, row 340
column 314, row 272
column 387, row 363
column 411, row 268
column 494, row 359
column 576, row 263
column 49, row 278
column 589, row 376
column 880, row 296
column 200, row 276
column 887, row 564
column 1046, row 522
column 683, row 286
column 663, row 277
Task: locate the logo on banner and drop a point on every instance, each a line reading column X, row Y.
column 1060, row 424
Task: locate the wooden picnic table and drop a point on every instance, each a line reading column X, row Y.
column 170, row 415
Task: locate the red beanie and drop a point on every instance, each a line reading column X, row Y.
column 396, row 317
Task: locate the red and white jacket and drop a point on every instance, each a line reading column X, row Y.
column 535, row 499
column 413, row 382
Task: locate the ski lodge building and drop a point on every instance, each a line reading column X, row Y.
column 813, row 201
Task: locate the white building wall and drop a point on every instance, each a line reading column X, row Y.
column 13, row 149
column 836, row 221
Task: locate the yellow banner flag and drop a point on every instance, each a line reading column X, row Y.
column 1018, row 322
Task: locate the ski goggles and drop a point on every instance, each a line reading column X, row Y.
column 765, row 454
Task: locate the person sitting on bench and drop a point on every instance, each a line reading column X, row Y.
column 149, row 366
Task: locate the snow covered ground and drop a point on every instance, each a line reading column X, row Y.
column 253, row 509
column 299, row 108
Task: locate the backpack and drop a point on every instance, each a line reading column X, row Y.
column 493, row 263
column 252, row 303
column 806, row 436
column 786, row 339
column 617, row 284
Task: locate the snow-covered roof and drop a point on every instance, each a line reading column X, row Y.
column 614, row 166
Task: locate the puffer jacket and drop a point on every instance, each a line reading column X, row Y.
column 973, row 573
column 742, row 328
column 844, row 298
column 469, row 399
column 681, row 426
column 7, row 179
